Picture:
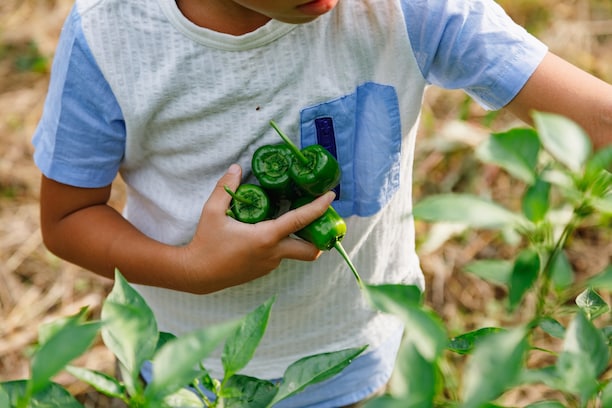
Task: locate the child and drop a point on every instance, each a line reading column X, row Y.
column 171, row 94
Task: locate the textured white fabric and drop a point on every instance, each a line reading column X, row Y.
column 187, row 116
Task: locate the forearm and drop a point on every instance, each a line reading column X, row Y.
column 99, row 239
column 559, row 87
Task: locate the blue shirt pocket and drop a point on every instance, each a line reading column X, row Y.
column 363, row 131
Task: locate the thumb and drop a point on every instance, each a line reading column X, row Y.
column 219, row 198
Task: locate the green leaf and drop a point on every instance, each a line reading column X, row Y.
column 602, row 205
column 562, row 273
column 516, row 151
column 416, row 378
column 385, row 401
column 584, row 357
column 563, row 139
column 600, row 160
column 5, row 398
column 592, row 304
column 607, row 333
column 545, row 375
column 48, row 330
column 130, row 329
column 393, row 298
column 426, row 331
column 63, row 343
column 314, row 369
column 536, row 200
column 174, row 363
column 606, row 395
column 438, row 234
column 494, row 366
column 599, row 183
column 205, row 380
column 546, row 404
column 466, row 209
column 163, row 338
column 603, row 280
column 248, row 392
column 524, row 274
column 577, row 375
column 240, row 347
column 497, row 271
column 52, row 396
column 552, row 327
column 101, row 382
column 183, row 398
column 405, row 302
column 465, row 343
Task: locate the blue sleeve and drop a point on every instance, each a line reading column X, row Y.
column 80, row 139
column 472, row 45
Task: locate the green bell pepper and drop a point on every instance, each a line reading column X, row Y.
column 314, row 169
column 250, row 204
column 325, row 231
column 270, row 165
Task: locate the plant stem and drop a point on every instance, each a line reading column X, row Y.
column 237, row 197
column 289, row 143
column 197, row 384
column 344, row 255
column 547, row 270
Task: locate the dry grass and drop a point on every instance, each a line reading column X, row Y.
column 36, row 287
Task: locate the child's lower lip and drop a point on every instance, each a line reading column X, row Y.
column 316, row 7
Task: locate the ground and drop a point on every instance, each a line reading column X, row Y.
column 36, row 287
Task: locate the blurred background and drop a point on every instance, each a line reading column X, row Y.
column 36, row 287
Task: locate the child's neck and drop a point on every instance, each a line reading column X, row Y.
column 222, row 16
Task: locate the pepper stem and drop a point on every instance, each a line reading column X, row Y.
column 289, row 143
column 237, row 197
column 344, row 255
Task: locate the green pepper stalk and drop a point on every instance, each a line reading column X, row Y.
column 315, row 170
column 326, row 232
column 346, row 258
column 270, row 165
column 250, row 204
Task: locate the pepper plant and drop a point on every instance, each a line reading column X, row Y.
column 129, row 330
column 567, row 185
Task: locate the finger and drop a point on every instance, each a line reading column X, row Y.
column 298, row 249
column 297, row 219
column 219, row 199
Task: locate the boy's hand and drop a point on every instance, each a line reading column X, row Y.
column 225, row 252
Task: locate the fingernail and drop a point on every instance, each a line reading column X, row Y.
column 233, row 169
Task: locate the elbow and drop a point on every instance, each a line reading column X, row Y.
column 51, row 240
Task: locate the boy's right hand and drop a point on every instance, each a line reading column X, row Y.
column 225, row 252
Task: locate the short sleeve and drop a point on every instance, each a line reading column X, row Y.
column 80, row 139
column 472, row 45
